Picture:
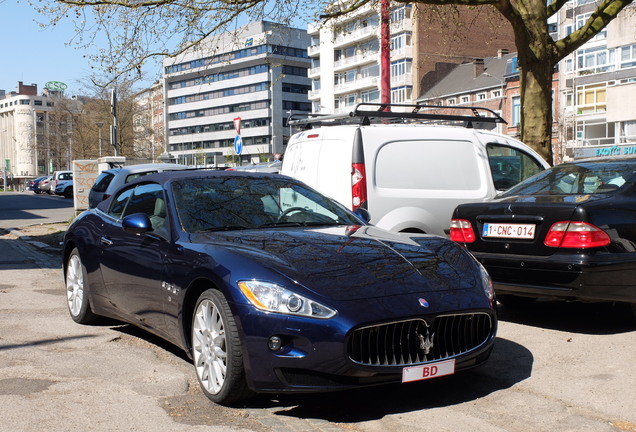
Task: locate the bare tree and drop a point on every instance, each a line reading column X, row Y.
column 137, row 30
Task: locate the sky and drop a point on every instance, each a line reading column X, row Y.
column 36, row 56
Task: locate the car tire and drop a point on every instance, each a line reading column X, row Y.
column 68, row 193
column 216, row 349
column 76, row 290
column 514, row 301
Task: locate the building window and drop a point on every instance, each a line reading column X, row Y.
column 628, row 56
column 495, row 94
column 464, row 99
column 401, row 94
column 370, row 96
column 26, row 102
column 400, row 68
column 481, row 96
column 515, row 111
column 451, row 101
column 400, row 42
column 591, row 99
column 595, row 60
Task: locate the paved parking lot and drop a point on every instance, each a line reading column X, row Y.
column 555, row 367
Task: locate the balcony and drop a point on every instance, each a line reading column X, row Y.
column 356, row 85
column 357, row 60
column 357, row 35
column 313, row 72
column 313, row 50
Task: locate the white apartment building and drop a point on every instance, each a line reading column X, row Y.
column 25, row 147
column 257, row 74
column 345, row 60
column 598, row 85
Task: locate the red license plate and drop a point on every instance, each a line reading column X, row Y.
column 428, row 371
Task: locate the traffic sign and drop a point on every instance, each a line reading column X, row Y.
column 238, row 144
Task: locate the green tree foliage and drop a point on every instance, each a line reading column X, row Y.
column 134, row 31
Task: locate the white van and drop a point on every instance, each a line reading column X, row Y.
column 409, row 176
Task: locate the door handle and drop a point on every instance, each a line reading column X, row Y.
column 106, row 241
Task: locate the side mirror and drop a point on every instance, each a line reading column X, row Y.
column 363, row 214
column 137, row 223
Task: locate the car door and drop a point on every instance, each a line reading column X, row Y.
column 132, row 265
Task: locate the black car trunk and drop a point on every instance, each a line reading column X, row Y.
column 517, row 225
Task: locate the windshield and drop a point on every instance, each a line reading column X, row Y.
column 577, row 178
column 225, row 203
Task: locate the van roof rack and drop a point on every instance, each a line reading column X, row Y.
column 367, row 113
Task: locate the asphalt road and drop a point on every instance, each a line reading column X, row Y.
column 555, row 367
column 19, row 209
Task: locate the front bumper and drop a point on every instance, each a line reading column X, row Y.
column 316, row 354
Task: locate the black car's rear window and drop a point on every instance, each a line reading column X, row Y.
column 578, row 178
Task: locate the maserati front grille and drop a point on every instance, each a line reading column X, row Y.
column 416, row 341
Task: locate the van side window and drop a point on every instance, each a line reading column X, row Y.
column 510, row 166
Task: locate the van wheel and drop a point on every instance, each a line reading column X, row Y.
column 413, row 231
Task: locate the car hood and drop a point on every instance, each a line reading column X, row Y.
column 368, row 261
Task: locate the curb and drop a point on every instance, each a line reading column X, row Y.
column 27, row 239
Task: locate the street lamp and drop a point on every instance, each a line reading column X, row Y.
column 99, row 125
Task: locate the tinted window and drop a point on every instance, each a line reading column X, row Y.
column 118, row 204
column 102, row 182
column 134, row 176
column 213, row 203
column 578, row 178
column 510, row 166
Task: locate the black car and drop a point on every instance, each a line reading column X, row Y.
column 566, row 233
column 272, row 287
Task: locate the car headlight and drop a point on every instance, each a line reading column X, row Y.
column 487, row 283
column 274, row 298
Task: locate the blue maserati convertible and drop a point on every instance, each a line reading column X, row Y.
column 271, row 287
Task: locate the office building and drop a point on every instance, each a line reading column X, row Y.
column 244, row 83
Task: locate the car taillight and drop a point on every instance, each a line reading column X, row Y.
column 579, row 235
column 358, row 185
column 461, row 231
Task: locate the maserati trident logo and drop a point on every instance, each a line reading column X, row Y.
column 426, row 342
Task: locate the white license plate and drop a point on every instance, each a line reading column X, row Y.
column 432, row 370
column 508, row 230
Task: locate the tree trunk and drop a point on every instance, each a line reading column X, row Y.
column 536, row 106
column 536, row 62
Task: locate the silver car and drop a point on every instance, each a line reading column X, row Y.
column 112, row 179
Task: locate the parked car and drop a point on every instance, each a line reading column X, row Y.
column 112, row 179
column 57, row 177
column 410, row 176
column 567, row 233
column 270, row 167
column 64, row 188
column 44, row 185
column 269, row 286
column 33, row 184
